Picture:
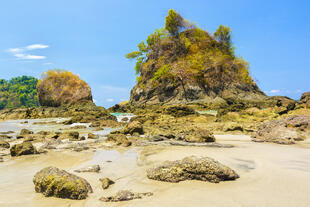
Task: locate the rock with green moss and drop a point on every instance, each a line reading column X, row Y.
column 179, row 110
column 25, row 148
column 192, row 168
column 200, row 135
column 55, row 182
column 118, row 139
column 133, row 127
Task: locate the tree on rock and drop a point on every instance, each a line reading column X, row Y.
column 59, row 87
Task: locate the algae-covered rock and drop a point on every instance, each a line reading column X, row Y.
column 4, row 144
column 305, row 99
column 192, row 168
column 55, row 182
column 106, row 182
column 200, row 135
column 25, row 148
column 92, row 136
column 118, row 139
column 179, row 110
column 125, row 195
column 133, row 127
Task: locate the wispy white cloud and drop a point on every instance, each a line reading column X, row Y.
column 110, row 100
column 274, row 91
column 29, row 57
column 21, row 52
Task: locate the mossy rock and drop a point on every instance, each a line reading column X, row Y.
column 55, row 182
column 25, row 148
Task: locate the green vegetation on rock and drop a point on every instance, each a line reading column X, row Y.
column 18, row 92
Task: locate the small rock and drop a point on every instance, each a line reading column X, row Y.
column 92, row 136
column 106, row 182
column 93, row 168
column 133, row 127
column 156, row 138
column 52, row 181
column 200, row 135
column 125, row 195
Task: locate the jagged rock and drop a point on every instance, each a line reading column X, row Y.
column 133, row 127
column 118, row 139
column 106, row 182
column 125, row 195
column 92, row 136
column 4, row 144
column 62, row 87
column 192, row 168
column 93, row 168
column 284, row 131
column 25, row 148
column 25, row 132
column 305, row 99
column 52, row 181
column 179, row 110
column 200, row 135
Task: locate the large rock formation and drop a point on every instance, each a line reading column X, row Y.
column 284, row 131
column 62, row 87
column 189, row 65
column 192, row 168
column 52, row 181
column 305, row 99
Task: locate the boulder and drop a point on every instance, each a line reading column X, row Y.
column 55, row 182
column 118, row 139
column 75, row 136
column 106, row 182
column 62, row 87
column 25, row 148
column 133, row 127
column 4, row 144
column 200, row 135
column 125, row 195
column 93, row 168
column 192, row 168
column 284, row 131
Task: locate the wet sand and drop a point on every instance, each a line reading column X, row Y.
column 270, row 175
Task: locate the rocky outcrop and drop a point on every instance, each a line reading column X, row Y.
column 192, row 168
column 62, row 87
column 125, row 195
column 52, row 181
column 25, row 148
column 118, row 139
column 305, row 100
column 179, row 110
column 284, row 131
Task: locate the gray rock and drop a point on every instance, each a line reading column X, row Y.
column 52, row 181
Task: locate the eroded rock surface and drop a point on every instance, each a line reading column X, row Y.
column 284, row 131
column 52, row 181
column 192, row 168
column 125, row 195
column 93, row 168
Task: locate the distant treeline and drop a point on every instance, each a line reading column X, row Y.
column 18, row 92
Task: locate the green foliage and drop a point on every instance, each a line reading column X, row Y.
column 184, row 52
column 174, row 23
column 161, row 72
column 18, row 92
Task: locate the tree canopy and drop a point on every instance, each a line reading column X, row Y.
column 18, row 92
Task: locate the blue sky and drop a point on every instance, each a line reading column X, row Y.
column 91, row 38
